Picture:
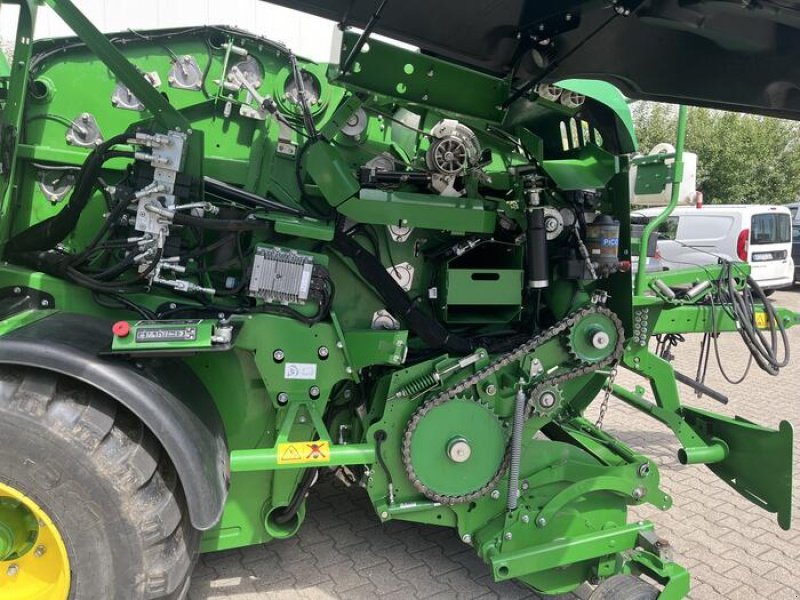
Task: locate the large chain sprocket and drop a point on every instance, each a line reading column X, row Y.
column 459, row 448
column 461, row 388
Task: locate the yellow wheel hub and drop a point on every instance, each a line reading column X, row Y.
column 33, row 558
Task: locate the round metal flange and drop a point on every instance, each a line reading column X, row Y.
column 34, row 564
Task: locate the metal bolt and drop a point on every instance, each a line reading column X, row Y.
column 547, row 400
column 45, row 303
column 283, row 398
column 459, row 450
column 12, row 570
column 638, row 493
column 568, row 17
column 525, row 519
column 466, row 538
column 525, row 484
column 339, row 345
column 384, row 515
column 601, row 340
column 491, row 389
column 323, row 352
column 17, row 290
column 494, row 495
column 278, row 355
column 302, row 419
column 313, row 392
column 644, row 470
column 172, row 306
column 541, row 522
column 508, row 536
column 348, row 370
column 40, row 551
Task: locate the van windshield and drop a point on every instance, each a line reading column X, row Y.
column 771, row 228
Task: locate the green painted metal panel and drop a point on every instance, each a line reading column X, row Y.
column 430, row 211
column 410, row 76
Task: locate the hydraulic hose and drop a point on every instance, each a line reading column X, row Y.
column 763, row 348
column 46, row 234
column 306, row 482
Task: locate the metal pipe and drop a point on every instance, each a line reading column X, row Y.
column 699, row 387
column 266, row 459
column 715, row 452
column 516, row 450
column 677, row 177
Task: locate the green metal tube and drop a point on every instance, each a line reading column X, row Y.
column 266, row 459
column 677, row 177
column 715, row 452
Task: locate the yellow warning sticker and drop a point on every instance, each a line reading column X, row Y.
column 762, row 321
column 303, row 453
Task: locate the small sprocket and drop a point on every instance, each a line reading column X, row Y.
column 544, row 400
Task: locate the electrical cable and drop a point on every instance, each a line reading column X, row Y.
column 380, row 438
column 123, row 302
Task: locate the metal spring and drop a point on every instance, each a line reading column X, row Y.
column 418, row 386
column 516, row 450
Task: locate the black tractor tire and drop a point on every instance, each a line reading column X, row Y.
column 102, row 477
column 624, row 587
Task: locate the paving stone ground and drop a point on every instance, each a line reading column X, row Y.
column 733, row 549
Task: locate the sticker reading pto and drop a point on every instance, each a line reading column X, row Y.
column 302, row 453
column 300, row 371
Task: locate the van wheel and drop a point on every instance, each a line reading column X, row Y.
column 90, row 505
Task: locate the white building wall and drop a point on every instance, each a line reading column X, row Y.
column 307, row 36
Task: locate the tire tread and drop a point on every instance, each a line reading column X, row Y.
column 126, row 455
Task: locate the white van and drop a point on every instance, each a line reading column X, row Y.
column 758, row 234
column 795, row 208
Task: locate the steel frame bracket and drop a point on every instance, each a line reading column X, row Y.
column 557, row 553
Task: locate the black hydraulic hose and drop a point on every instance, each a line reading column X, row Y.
column 228, row 192
column 116, row 270
column 220, row 224
column 46, row 234
column 297, row 501
column 764, row 349
column 397, row 301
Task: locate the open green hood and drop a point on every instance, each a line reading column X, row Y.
column 732, row 54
